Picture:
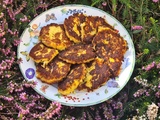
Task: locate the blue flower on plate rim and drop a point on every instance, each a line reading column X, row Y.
column 112, row 83
column 126, row 62
column 30, row 72
column 70, row 11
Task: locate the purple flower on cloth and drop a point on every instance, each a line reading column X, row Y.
column 112, row 83
column 30, row 72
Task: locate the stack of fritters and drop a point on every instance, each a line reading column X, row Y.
column 83, row 53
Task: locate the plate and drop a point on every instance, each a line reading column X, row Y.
column 80, row 98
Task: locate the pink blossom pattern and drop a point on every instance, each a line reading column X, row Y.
column 43, row 88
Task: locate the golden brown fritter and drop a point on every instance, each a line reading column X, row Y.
column 42, row 54
column 90, row 26
column 53, row 35
column 100, row 21
column 105, row 36
column 72, row 81
column 77, row 54
column 88, row 29
column 97, row 74
column 54, row 72
column 111, row 47
column 72, row 27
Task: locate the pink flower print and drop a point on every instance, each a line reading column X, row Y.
column 43, row 88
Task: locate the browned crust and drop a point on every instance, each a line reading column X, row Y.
column 54, row 72
column 74, row 78
column 97, row 45
column 78, row 54
column 97, row 74
column 72, row 27
column 42, row 54
column 53, row 35
column 110, row 46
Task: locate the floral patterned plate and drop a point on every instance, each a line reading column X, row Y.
column 79, row 98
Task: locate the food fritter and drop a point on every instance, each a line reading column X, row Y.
column 72, row 27
column 112, row 58
column 105, row 36
column 88, row 29
column 79, row 53
column 97, row 74
column 111, row 47
column 42, row 54
column 90, row 26
column 53, row 35
column 54, row 72
column 100, row 21
column 72, row 81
